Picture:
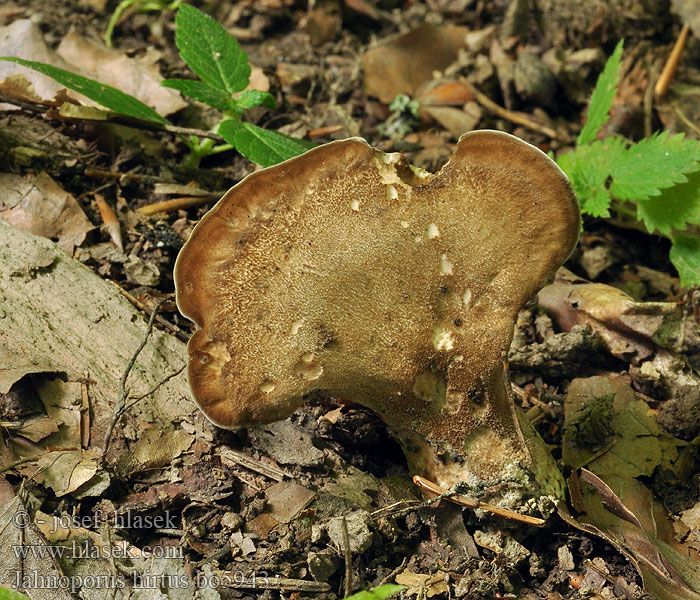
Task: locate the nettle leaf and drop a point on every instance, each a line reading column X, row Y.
column 652, row 164
column 378, row 593
column 588, row 168
column 210, row 51
column 104, row 94
column 201, row 91
column 251, row 98
column 262, row 146
column 674, row 208
column 685, row 257
column 602, row 98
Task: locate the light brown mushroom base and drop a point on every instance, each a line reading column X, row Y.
column 348, row 272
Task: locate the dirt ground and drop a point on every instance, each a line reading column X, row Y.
column 322, row 503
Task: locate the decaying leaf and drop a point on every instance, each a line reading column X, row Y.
column 137, row 77
column 632, row 330
column 618, row 439
column 37, row 204
column 403, row 63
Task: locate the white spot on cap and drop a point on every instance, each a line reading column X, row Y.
column 296, row 326
column 445, row 265
column 391, row 193
column 467, row 298
column 432, row 231
column 442, row 339
column 404, row 224
column 266, row 387
column 355, row 205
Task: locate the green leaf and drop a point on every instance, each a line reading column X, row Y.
column 379, row 593
column 602, row 98
column 652, row 164
column 106, row 95
column 685, row 256
column 251, row 98
column 7, row 594
column 262, row 146
column 210, row 51
column 674, row 208
column 201, row 91
column 588, row 169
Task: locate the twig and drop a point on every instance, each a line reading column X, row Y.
column 176, row 204
column 181, row 335
column 649, row 100
column 671, row 65
column 254, row 465
column 519, row 118
column 457, row 498
column 121, row 401
column 110, row 117
column 348, row 556
column 280, row 583
column 154, row 389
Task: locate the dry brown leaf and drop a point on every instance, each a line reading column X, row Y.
column 418, row 584
column 24, row 39
column 403, row 63
column 110, row 66
column 632, row 330
column 37, row 204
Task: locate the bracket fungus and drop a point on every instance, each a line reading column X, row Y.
column 349, row 272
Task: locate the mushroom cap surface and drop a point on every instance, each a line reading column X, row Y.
column 350, row 272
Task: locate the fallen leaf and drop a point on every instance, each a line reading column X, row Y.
column 37, row 204
column 136, row 77
column 403, row 63
column 631, row 330
column 619, row 440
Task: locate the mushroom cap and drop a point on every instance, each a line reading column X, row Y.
column 348, row 271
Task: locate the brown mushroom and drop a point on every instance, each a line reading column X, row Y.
column 350, row 272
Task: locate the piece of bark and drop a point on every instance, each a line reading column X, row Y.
column 57, row 315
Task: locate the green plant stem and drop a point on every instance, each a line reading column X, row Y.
column 221, row 148
column 620, row 208
column 114, row 19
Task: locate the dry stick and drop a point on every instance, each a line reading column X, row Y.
column 518, row 118
column 40, row 107
column 121, row 401
column 176, row 204
column 457, row 498
column 348, row 556
column 176, row 331
column 671, row 65
column 649, row 99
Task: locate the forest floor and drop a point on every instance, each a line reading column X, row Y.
column 237, row 511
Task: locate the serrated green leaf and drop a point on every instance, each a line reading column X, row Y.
column 106, row 95
column 674, row 208
column 588, row 169
column 201, row 91
column 262, row 146
column 210, row 51
column 251, row 98
column 602, row 98
column 379, row 593
column 685, row 257
column 652, row 164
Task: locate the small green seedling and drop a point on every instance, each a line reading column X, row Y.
column 404, row 117
column 378, row 593
column 655, row 181
column 138, row 6
column 217, row 59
